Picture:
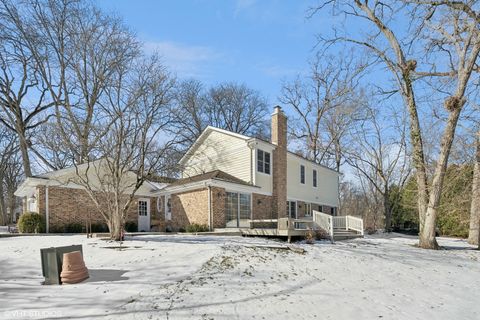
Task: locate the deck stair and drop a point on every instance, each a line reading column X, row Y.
column 337, row 227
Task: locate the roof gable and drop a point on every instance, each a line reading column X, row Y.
column 208, row 130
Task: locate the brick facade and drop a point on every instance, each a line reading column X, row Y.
column 279, row 138
column 218, row 207
column 69, row 205
column 262, row 207
column 189, row 207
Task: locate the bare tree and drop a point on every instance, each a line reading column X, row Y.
column 134, row 148
column 458, row 42
column 229, row 106
column 75, row 48
column 10, row 173
column 325, row 103
column 379, row 157
column 24, row 97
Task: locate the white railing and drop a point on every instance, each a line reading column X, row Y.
column 330, row 223
column 340, row 222
column 354, row 223
column 324, row 221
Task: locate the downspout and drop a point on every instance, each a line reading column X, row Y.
column 47, row 217
column 209, row 188
column 250, row 144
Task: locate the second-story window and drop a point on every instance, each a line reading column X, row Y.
column 315, row 178
column 263, row 161
column 302, row 174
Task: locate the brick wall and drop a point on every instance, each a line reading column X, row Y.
column 218, row 207
column 279, row 138
column 262, row 207
column 68, row 205
column 189, row 207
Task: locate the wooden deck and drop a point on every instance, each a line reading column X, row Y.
column 338, row 227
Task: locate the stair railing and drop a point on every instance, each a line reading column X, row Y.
column 323, row 221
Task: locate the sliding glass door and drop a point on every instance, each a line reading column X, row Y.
column 237, row 210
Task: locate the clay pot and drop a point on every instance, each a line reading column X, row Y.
column 73, row 268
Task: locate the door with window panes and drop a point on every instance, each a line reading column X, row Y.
column 237, row 210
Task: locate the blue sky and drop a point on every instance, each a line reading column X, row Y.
column 259, row 43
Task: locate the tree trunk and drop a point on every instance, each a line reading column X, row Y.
column 3, row 209
column 388, row 214
column 427, row 234
column 418, row 156
column 117, row 225
column 474, row 234
column 25, row 157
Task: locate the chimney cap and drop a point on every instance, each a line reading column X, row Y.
column 277, row 109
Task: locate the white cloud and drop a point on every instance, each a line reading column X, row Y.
column 276, row 71
column 243, row 5
column 184, row 59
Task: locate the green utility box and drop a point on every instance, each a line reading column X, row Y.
column 52, row 260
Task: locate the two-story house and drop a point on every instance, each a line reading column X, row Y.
column 229, row 179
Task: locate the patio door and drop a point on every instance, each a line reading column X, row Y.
column 143, row 215
column 237, row 210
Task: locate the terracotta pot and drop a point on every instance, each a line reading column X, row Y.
column 73, row 268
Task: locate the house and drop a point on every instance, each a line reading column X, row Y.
column 227, row 179
column 62, row 199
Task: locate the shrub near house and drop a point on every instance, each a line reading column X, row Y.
column 31, row 222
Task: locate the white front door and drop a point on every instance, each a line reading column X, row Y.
column 168, row 207
column 143, row 215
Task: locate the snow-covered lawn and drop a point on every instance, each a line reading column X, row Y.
column 213, row 277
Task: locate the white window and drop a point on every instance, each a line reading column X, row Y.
column 142, row 208
column 307, row 210
column 238, row 209
column 314, row 178
column 263, row 161
column 292, row 209
column 302, row 174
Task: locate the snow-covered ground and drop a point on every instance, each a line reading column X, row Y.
column 213, row 277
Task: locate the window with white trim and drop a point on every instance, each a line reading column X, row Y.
column 263, row 161
column 302, row 174
column 314, row 178
column 292, row 209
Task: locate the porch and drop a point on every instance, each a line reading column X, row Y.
column 337, row 227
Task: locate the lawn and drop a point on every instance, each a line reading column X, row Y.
column 214, row 277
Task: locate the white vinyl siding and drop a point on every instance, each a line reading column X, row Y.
column 220, row 151
column 325, row 193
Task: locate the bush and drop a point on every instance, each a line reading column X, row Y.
column 310, row 236
column 194, row 228
column 131, row 226
column 31, row 222
column 74, row 227
column 99, row 227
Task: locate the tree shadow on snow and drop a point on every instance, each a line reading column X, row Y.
column 99, row 275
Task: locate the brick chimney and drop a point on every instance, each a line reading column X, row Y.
column 279, row 138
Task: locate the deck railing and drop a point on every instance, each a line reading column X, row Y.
column 330, row 223
column 340, row 222
column 354, row 223
column 324, row 221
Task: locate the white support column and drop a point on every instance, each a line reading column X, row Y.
column 47, row 216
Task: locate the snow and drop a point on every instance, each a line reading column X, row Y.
column 220, row 277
